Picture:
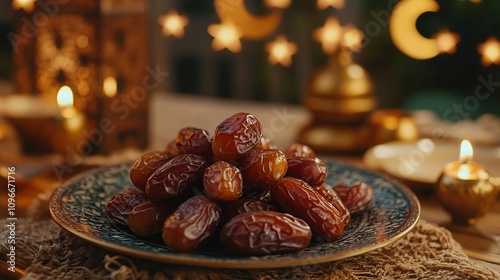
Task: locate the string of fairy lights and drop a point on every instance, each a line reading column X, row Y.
column 238, row 23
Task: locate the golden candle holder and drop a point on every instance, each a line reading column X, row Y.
column 465, row 189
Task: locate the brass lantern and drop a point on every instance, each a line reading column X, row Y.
column 96, row 47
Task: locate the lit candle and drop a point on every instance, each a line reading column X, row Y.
column 73, row 119
column 465, row 188
column 70, row 133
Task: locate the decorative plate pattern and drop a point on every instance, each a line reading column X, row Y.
column 79, row 207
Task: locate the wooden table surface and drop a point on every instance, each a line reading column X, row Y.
column 169, row 113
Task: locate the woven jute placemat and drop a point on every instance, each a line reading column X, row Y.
column 49, row 252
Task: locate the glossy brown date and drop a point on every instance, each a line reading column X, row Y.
column 147, row 219
column 261, row 170
column 222, row 181
column 191, row 140
column 266, row 143
column 310, row 170
column 192, row 223
column 171, row 148
column 120, row 205
column 356, row 197
column 296, row 197
column 144, row 167
column 264, row 232
column 331, row 196
column 233, row 208
column 176, row 177
column 299, row 150
column 236, row 136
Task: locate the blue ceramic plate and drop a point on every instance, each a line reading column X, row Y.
column 79, row 207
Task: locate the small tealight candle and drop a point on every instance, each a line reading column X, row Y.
column 465, row 188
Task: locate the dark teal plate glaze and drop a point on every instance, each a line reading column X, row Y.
column 79, row 207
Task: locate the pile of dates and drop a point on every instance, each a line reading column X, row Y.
column 237, row 189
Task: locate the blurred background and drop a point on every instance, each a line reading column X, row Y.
column 341, row 60
column 399, row 80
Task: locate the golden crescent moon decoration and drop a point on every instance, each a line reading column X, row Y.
column 404, row 33
column 249, row 26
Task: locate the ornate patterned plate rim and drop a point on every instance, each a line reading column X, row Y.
column 90, row 232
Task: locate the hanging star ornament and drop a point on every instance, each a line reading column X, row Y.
column 173, row 24
column 281, row 51
column 27, row 5
column 329, row 35
column 323, row 4
column 490, row 51
column 352, row 38
column 447, row 41
column 226, row 35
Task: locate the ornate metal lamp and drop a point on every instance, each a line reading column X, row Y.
column 96, row 47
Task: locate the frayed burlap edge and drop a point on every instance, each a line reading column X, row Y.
column 49, row 252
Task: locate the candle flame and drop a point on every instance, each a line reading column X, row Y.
column 466, row 151
column 65, row 97
column 65, row 102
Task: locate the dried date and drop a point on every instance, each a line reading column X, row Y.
column 265, row 143
column 233, row 208
column 191, row 140
column 147, row 219
column 192, row 223
column 299, row 150
column 236, row 136
column 265, row 232
column 298, row 198
column 176, row 177
column 120, row 205
column 356, row 197
column 171, row 148
column 144, row 167
column 261, row 170
column 331, row 196
column 222, row 181
column 310, row 170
